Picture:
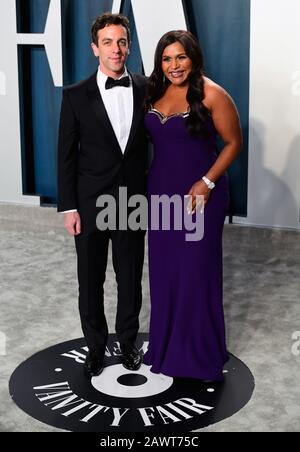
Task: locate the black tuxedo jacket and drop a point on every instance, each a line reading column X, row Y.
column 90, row 161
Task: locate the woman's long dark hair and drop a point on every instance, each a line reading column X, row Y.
column 195, row 95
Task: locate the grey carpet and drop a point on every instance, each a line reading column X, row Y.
column 38, row 308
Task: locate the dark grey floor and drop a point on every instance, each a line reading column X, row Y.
column 38, row 308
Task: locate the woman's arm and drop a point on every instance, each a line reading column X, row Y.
column 227, row 124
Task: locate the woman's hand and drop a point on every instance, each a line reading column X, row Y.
column 198, row 189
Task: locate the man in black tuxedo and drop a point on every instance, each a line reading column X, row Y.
column 102, row 147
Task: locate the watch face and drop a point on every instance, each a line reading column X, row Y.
column 209, row 183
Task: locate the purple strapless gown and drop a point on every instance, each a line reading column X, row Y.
column 187, row 332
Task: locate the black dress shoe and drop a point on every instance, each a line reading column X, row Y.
column 131, row 358
column 93, row 365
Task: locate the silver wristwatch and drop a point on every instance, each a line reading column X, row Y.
column 209, row 183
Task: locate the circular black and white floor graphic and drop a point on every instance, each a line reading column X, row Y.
column 51, row 387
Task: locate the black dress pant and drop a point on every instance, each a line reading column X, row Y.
column 128, row 260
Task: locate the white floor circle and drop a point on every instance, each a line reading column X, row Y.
column 107, row 382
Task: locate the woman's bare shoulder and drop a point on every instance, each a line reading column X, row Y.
column 213, row 92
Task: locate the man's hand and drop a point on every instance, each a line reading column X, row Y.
column 72, row 223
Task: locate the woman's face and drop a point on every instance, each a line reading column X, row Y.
column 176, row 65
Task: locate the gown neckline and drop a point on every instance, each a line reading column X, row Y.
column 164, row 118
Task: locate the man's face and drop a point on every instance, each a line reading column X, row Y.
column 112, row 49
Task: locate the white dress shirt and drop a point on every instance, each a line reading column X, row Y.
column 118, row 102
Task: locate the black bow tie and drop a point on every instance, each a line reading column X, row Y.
column 110, row 82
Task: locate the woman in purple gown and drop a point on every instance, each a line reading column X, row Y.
column 185, row 112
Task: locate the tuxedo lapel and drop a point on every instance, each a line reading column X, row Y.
column 137, row 112
column 97, row 104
